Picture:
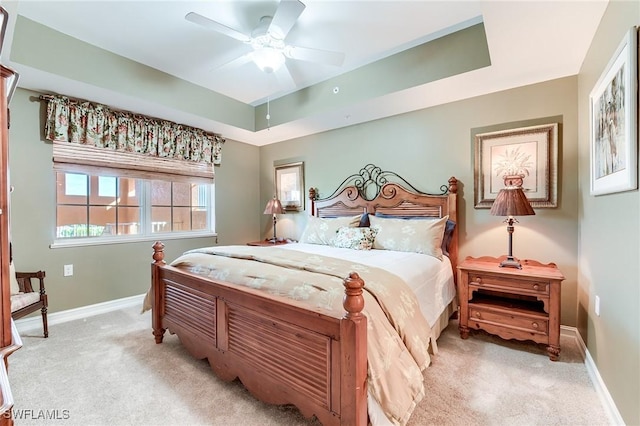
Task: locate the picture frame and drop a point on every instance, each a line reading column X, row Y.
column 527, row 152
column 289, row 180
column 613, row 122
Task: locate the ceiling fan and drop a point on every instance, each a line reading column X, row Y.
column 269, row 49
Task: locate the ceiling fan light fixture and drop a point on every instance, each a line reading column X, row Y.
column 270, row 51
column 268, row 59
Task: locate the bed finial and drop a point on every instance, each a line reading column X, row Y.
column 313, row 196
column 453, row 185
column 353, row 301
column 158, row 253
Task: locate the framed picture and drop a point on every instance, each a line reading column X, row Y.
column 613, row 121
column 290, row 186
column 530, row 153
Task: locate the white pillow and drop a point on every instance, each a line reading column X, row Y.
column 355, row 238
column 324, row 230
column 419, row 236
column 15, row 288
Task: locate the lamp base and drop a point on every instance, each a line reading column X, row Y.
column 510, row 262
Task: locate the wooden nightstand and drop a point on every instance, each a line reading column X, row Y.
column 522, row 304
column 268, row 243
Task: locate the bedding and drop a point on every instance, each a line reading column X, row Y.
column 430, row 279
column 355, row 238
column 448, row 229
column 420, row 236
column 323, row 230
column 398, row 327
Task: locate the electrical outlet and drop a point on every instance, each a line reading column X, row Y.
column 596, row 305
column 68, row 270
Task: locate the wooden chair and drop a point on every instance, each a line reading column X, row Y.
column 27, row 299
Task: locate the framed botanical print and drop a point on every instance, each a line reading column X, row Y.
column 527, row 153
column 290, row 186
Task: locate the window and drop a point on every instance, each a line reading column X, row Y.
column 107, row 186
column 177, row 206
column 93, row 207
column 75, row 184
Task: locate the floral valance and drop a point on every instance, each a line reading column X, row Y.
column 97, row 125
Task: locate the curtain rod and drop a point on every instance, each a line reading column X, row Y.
column 78, row 101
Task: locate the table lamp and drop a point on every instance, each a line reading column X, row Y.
column 511, row 201
column 273, row 208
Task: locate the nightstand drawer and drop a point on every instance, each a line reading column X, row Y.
column 480, row 316
column 507, row 284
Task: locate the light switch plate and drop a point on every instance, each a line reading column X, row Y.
column 68, row 270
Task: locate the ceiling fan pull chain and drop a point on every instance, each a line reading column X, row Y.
column 268, row 114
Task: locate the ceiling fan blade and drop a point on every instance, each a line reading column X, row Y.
column 285, row 17
column 284, row 77
column 234, row 63
column 315, row 55
column 216, row 26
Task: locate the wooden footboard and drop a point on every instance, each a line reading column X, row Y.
column 282, row 352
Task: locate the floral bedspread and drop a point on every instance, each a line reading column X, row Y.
column 398, row 334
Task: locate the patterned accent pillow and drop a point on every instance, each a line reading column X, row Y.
column 323, row 230
column 355, row 238
column 419, row 236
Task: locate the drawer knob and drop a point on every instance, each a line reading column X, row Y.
column 478, row 280
column 536, row 287
column 477, row 314
column 534, row 325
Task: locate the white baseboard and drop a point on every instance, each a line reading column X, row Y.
column 30, row 324
column 601, row 389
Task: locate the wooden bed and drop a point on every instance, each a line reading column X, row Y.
column 283, row 351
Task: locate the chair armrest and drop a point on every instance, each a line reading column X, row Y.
column 24, row 280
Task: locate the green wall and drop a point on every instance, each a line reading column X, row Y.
column 106, row 272
column 428, row 146
column 609, row 243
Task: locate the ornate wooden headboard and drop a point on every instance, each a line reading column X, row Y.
column 374, row 190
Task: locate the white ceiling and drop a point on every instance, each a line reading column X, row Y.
column 529, row 42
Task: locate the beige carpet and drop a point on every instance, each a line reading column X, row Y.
column 107, row 370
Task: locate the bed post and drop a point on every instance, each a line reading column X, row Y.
column 353, row 351
column 313, row 196
column 157, row 291
column 453, row 215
